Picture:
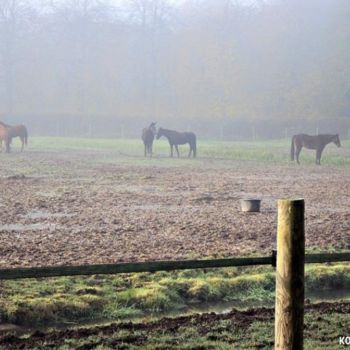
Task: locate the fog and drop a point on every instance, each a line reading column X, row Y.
column 225, row 68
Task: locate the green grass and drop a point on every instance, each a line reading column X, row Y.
column 75, row 299
column 272, row 151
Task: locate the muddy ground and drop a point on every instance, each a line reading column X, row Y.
column 212, row 326
column 79, row 207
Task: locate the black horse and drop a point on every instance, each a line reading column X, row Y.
column 176, row 138
column 148, row 137
column 317, row 142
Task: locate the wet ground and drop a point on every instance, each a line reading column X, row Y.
column 78, row 207
column 223, row 327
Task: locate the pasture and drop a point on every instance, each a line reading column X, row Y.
column 88, row 201
column 92, row 201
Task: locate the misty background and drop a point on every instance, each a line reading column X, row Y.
column 225, row 69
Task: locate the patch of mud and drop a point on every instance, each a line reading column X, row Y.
column 83, row 212
column 48, row 194
column 17, row 177
column 28, row 227
column 42, row 214
column 9, row 327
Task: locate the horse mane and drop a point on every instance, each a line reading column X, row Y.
column 163, row 129
column 175, row 131
column 5, row 125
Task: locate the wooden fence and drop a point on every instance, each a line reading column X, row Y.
column 154, row 266
column 289, row 260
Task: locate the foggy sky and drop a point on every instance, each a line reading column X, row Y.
column 194, row 60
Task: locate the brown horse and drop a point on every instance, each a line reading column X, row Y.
column 176, row 138
column 317, row 142
column 148, row 138
column 8, row 132
column 4, row 136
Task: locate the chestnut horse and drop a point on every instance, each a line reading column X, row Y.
column 8, row 132
column 4, row 136
column 317, row 142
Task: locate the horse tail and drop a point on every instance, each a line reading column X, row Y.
column 8, row 140
column 292, row 151
column 194, row 146
column 25, row 136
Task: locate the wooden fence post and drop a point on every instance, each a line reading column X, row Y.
column 289, row 311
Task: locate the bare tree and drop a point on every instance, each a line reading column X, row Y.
column 15, row 18
column 152, row 19
column 78, row 23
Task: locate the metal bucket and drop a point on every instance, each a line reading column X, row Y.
column 251, row 205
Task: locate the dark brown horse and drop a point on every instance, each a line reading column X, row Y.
column 317, row 142
column 148, row 137
column 176, row 138
column 8, row 132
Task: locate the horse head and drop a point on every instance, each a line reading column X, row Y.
column 4, row 125
column 153, row 128
column 336, row 140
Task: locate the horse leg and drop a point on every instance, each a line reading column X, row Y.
column 191, row 151
column 297, row 152
column 318, row 156
column 177, row 151
column 171, row 150
column 22, row 140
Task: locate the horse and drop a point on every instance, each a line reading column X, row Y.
column 176, row 138
column 317, row 142
column 148, row 137
column 9, row 132
column 4, row 136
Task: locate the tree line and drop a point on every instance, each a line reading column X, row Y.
column 184, row 62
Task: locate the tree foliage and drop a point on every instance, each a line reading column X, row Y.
column 197, row 60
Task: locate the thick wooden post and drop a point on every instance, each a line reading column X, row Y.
column 289, row 310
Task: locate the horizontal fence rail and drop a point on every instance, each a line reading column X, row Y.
column 103, row 269
column 151, row 266
column 326, row 257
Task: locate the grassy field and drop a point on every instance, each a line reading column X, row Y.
column 82, row 299
column 324, row 325
column 276, row 151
